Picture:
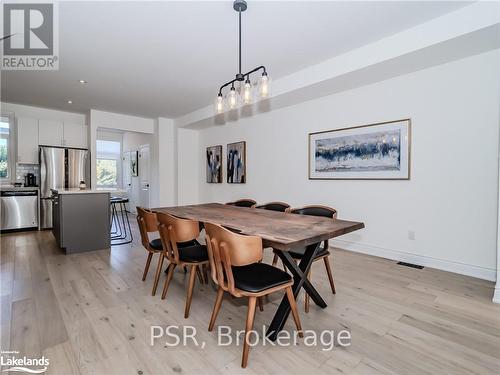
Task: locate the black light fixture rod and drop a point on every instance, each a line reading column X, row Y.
column 239, row 14
column 243, row 75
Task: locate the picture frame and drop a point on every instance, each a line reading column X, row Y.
column 236, row 162
column 214, row 164
column 379, row 151
column 134, row 163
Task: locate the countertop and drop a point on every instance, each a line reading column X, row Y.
column 88, row 191
column 17, row 188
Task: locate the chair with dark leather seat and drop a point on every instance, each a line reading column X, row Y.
column 178, row 237
column 243, row 203
column 236, row 268
column 275, row 206
column 323, row 252
column 147, row 222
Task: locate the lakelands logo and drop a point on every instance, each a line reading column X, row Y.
column 11, row 362
column 30, row 39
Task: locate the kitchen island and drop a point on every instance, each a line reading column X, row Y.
column 81, row 219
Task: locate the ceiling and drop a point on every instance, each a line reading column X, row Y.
column 166, row 59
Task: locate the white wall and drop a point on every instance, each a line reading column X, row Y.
column 189, row 166
column 164, row 158
column 449, row 201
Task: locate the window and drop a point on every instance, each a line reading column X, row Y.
column 108, row 164
column 5, row 148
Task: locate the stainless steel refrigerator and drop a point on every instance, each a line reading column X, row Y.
column 60, row 168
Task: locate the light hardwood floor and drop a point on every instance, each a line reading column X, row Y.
column 91, row 314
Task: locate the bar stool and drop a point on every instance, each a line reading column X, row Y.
column 121, row 232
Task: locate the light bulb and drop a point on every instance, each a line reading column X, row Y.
column 264, row 86
column 232, row 99
column 247, row 92
column 219, row 104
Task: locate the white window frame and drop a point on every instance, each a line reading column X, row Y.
column 11, row 157
column 113, row 137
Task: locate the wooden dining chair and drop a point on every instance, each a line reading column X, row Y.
column 178, row 237
column 146, row 221
column 323, row 252
column 236, row 268
column 275, row 206
column 243, row 203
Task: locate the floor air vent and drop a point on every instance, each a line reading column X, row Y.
column 410, row 265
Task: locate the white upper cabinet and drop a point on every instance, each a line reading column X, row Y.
column 27, row 140
column 50, row 133
column 75, row 135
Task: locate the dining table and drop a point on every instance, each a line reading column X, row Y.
column 279, row 230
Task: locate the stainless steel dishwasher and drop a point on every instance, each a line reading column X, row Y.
column 19, row 209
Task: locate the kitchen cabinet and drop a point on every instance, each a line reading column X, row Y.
column 81, row 220
column 75, row 135
column 27, row 140
column 50, row 133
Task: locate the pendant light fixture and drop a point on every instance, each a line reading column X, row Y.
column 245, row 94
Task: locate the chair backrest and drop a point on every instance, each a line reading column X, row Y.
column 316, row 210
column 227, row 249
column 147, row 223
column 243, row 203
column 275, row 206
column 174, row 230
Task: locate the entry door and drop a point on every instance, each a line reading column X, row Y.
column 144, row 175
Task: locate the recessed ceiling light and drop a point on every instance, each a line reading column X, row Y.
column 70, row 102
column 82, row 81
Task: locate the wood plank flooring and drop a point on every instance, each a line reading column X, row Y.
column 91, row 314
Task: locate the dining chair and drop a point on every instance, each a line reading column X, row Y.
column 275, row 206
column 323, row 252
column 243, row 203
column 178, row 237
column 147, row 223
column 236, row 268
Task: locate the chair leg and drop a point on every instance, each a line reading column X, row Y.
column 158, row 272
column 261, row 304
column 204, row 268
column 215, row 312
column 295, row 311
column 189, row 297
column 329, row 272
column 170, row 274
column 249, row 325
column 307, row 299
column 146, row 269
column 200, row 276
column 275, row 260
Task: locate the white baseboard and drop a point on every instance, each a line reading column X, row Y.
column 445, row 265
column 496, row 295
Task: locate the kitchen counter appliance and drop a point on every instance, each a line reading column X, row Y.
column 60, row 168
column 19, row 209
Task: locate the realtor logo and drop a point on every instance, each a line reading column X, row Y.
column 30, row 38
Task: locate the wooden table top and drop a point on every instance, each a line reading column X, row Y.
column 283, row 231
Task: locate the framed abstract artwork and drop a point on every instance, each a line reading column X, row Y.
column 134, row 163
column 236, row 163
column 375, row 151
column 214, row 164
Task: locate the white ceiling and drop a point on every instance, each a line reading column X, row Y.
column 166, row 59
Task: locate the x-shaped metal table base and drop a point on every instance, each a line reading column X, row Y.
column 300, row 272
